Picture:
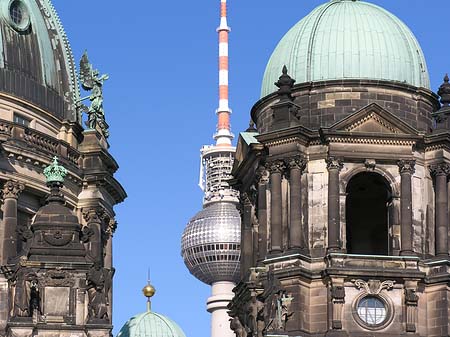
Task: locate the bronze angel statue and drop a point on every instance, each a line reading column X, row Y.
column 92, row 81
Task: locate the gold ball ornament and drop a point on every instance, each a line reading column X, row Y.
column 149, row 291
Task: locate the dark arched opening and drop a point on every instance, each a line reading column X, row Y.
column 367, row 212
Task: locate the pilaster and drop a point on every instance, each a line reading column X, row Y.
column 334, row 166
column 406, row 169
column 11, row 192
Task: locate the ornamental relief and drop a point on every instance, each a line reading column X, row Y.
column 373, row 287
column 12, row 189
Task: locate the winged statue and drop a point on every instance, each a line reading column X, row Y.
column 92, row 81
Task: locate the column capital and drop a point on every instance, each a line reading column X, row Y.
column 406, row 166
column 334, row 163
column 276, row 166
column 296, row 162
column 441, row 169
column 93, row 214
column 12, row 189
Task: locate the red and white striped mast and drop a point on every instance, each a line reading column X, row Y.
column 223, row 136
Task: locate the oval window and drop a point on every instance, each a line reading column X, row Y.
column 19, row 16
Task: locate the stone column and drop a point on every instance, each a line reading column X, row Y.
column 11, row 192
column 247, row 244
column 334, row 166
column 406, row 171
column 93, row 216
column 296, row 166
column 276, row 169
column 440, row 172
column 262, row 214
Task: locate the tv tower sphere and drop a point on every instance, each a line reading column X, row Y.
column 211, row 243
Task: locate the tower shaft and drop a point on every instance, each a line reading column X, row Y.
column 223, row 136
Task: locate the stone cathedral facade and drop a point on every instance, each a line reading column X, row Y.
column 344, row 184
column 55, row 228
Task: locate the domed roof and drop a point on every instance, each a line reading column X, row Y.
column 150, row 324
column 210, row 244
column 348, row 39
column 36, row 62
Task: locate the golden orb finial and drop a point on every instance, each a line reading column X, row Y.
column 149, row 291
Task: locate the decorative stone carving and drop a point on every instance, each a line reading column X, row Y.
column 86, row 234
column 93, row 214
column 276, row 166
column 411, row 301
column 334, row 163
column 57, row 238
column 57, row 278
column 444, row 91
column 411, row 297
column 99, row 282
column 338, row 300
column 262, row 175
column 12, row 189
column 296, row 162
column 406, row 166
column 237, row 327
column 338, row 294
column 94, row 232
column 374, row 287
column 285, row 84
column 111, row 227
column 441, row 169
column 370, row 164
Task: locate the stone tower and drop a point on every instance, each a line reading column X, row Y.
column 57, row 217
column 344, row 184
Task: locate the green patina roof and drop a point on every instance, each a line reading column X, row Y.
column 151, row 324
column 348, row 39
column 249, row 137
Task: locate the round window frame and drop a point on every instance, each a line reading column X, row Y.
column 373, row 327
column 26, row 20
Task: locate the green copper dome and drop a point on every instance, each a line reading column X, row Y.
column 150, row 324
column 347, row 39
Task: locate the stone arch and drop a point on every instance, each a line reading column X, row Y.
column 346, row 177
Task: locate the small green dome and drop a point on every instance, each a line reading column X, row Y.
column 348, row 39
column 150, row 324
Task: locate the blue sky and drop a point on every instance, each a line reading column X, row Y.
column 160, row 102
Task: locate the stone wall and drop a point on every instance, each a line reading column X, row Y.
column 324, row 103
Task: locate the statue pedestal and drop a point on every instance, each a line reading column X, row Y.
column 93, row 139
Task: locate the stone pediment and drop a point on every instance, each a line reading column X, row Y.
column 373, row 119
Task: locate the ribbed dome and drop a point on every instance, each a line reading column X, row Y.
column 346, row 39
column 150, row 324
column 210, row 245
column 36, row 62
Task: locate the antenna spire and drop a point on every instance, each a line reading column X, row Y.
column 223, row 136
